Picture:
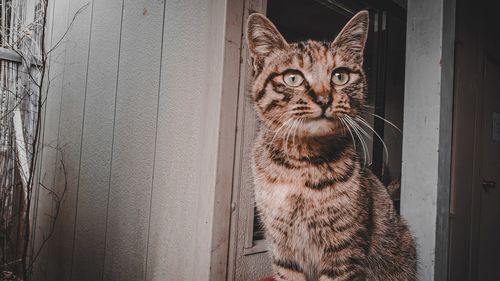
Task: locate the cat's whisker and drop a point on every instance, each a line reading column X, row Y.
column 288, row 134
column 349, row 129
column 342, row 127
column 285, row 139
column 361, row 140
column 365, row 133
column 290, row 131
column 304, row 147
column 362, row 131
column 280, row 128
column 363, row 146
column 282, row 125
column 387, row 121
column 373, row 130
column 295, row 131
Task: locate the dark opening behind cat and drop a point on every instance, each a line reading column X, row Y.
column 326, row 216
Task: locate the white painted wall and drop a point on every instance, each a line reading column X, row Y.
column 133, row 110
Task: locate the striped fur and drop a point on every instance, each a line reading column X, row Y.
column 326, row 217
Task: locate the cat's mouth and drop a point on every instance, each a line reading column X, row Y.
column 324, row 116
column 323, row 125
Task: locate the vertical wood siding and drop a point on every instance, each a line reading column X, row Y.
column 133, row 112
column 134, row 140
column 49, row 154
column 71, row 118
column 97, row 141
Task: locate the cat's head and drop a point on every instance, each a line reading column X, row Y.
column 311, row 88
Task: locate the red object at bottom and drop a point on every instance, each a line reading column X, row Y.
column 267, row 279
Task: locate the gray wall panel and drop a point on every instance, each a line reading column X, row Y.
column 71, row 119
column 187, row 141
column 40, row 220
column 97, row 141
column 134, row 140
column 50, row 143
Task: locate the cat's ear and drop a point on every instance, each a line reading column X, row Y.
column 353, row 35
column 263, row 38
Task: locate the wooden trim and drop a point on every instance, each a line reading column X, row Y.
column 227, row 137
column 250, row 6
column 425, row 182
column 445, row 142
column 259, row 246
column 8, row 54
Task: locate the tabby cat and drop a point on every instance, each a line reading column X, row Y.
column 325, row 215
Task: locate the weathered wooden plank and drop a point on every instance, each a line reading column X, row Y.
column 227, row 139
column 134, row 140
column 10, row 55
column 242, row 266
column 97, row 139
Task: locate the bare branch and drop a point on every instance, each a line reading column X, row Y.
column 68, row 28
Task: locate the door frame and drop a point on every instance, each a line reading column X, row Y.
column 427, row 127
column 245, row 70
column 432, row 227
column 233, row 91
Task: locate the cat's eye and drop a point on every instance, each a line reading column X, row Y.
column 340, row 76
column 293, row 79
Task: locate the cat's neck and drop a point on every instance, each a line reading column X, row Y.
column 314, row 149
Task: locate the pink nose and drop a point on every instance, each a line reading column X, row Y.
column 323, row 100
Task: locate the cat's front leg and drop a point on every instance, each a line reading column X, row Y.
column 353, row 275
column 342, row 267
column 285, row 270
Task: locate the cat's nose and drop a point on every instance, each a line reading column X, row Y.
column 324, row 101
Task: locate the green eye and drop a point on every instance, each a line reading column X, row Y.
column 340, row 77
column 293, row 79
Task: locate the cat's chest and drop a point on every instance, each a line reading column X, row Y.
column 283, row 198
column 290, row 214
column 293, row 206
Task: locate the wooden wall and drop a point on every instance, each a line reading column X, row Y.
column 130, row 135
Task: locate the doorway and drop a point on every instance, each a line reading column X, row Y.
column 384, row 66
column 474, row 253
column 488, row 243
